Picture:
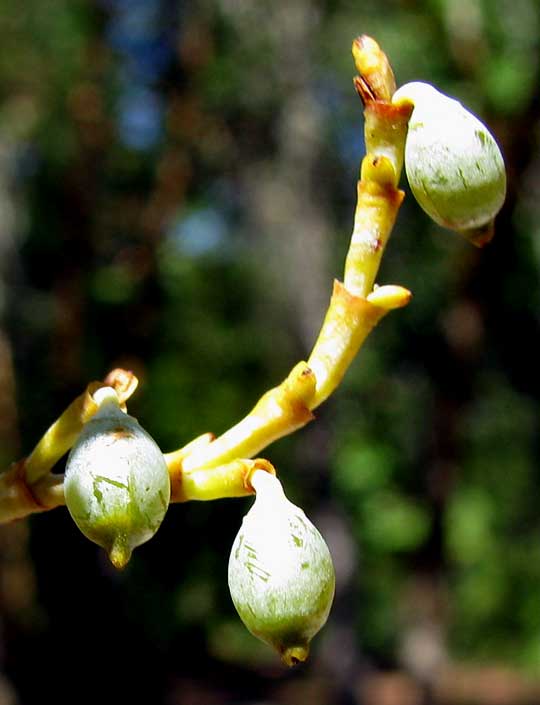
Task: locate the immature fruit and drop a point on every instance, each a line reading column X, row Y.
column 454, row 167
column 281, row 575
column 116, row 485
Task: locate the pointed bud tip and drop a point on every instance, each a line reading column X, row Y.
column 293, row 655
column 480, row 236
column 120, row 554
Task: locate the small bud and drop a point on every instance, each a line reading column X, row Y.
column 454, row 167
column 281, row 575
column 116, row 485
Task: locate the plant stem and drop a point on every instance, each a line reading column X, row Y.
column 59, row 437
column 230, row 480
column 18, row 499
column 209, row 468
column 354, row 307
column 277, row 413
column 347, row 324
column 27, row 486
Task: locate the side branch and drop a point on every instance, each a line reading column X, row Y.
column 208, row 467
column 376, row 210
column 28, row 486
column 350, row 319
column 277, row 413
column 60, row 437
column 356, row 306
column 18, row 498
column 230, row 480
column 286, row 408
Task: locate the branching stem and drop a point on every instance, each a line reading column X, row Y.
column 211, row 468
column 355, row 307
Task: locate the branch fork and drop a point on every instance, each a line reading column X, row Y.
column 210, row 468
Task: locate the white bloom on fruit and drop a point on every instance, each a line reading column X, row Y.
column 281, row 575
column 117, row 484
column 454, row 166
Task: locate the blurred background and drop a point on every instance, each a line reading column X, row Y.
column 177, row 187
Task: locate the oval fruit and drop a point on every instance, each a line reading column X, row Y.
column 281, row 575
column 454, row 166
column 116, row 485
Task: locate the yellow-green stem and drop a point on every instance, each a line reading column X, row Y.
column 229, row 480
column 348, row 322
column 18, row 499
column 209, row 468
column 376, row 210
column 61, row 436
column 277, row 413
column 352, row 312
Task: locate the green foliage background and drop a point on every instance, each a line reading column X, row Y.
column 177, row 184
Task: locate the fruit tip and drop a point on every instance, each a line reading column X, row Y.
column 293, row 655
column 480, row 236
column 119, row 554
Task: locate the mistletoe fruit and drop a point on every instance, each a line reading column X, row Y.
column 117, row 485
column 454, row 167
column 281, row 575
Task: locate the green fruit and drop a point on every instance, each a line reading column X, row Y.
column 116, row 485
column 281, row 575
column 454, row 167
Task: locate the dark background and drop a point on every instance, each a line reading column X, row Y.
column 177, row 186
